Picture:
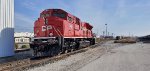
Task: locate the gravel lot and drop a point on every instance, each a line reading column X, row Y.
column 106, row 57
column 135, row 57
column 78, row 61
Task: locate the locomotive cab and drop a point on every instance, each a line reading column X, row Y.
column 54, row 13
column 50, row 23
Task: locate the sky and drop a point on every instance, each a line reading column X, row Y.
column 124, row 17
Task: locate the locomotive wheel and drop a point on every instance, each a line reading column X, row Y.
column 66, row 51
column 72, row 50
column 59, row 53
column 34, row 53
column 52, row 53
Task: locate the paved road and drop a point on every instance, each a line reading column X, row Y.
column 135, row 57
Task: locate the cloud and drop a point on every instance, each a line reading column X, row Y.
column 29, row 5
column 140, row 4
column 121, row 9
column 22, row 17
column 23, row 23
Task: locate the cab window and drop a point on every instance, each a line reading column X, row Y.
column 70, row 19
column 42, row 16
column 60, row 15
column 45, row 15
column 77, row 21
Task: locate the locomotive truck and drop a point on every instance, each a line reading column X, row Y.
column 57, row 32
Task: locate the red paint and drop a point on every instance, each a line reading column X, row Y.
column 66, row 25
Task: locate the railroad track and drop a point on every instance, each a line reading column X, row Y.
column 29, row 63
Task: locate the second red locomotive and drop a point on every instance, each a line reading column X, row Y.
column 57, row 31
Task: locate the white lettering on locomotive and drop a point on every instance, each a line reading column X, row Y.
column 44, row 28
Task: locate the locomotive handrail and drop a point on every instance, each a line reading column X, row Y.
column 59, row 32
column 43, row 37
column 56, row 31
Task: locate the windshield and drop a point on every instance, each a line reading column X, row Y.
column 61, row 15
column 45, row 15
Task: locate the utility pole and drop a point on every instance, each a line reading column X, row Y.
column 106, row 29
column 112, row 34
column 103, row 33
column 97, row 34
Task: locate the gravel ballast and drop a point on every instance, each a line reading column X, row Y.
column 77, row 61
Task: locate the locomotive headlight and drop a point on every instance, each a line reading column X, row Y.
column 50, row 34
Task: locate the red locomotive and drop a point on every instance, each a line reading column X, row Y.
column 57, row 31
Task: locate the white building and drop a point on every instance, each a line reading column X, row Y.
column 23, row 34
column 6, row 28
column 23, row 39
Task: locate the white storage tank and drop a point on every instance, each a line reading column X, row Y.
column 6, row 28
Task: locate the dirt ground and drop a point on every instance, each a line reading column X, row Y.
column 107, row 57
column 135, row 57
